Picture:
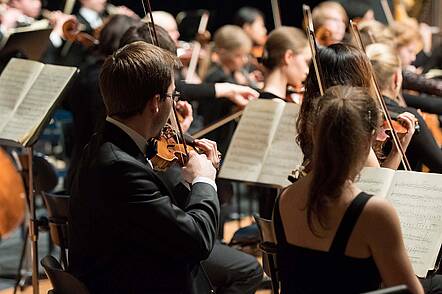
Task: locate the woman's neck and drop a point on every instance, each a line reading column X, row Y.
column 276, row 83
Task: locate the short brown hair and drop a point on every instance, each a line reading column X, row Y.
column 133, row 75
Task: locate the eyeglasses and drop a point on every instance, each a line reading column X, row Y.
column 175, row 96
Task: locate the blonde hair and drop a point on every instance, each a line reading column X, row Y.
column 320, row 13
column 405, row 33
column 279, row 41
column 385, row 63
column 373, row 31
column 231, row 37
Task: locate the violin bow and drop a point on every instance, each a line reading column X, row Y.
column 309, row 30
column 276, row 11
column 153, row 34
column 387, row 11
column 379, row 97
column 197, row 47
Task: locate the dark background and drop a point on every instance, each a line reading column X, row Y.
column 221, row 11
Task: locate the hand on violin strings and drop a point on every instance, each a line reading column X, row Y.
column 238, row 94
column 184, row 108
column 210, row 149
column 198, row 165
column 408, row 120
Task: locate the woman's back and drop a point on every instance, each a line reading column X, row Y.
column 337, row 260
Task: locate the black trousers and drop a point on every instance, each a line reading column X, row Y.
column 432, row 285
column 231, row 271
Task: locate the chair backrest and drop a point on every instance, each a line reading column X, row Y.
column 58, row 210
column 62, row 281
column 268, row 247
column 45, row 176
column 401, row 289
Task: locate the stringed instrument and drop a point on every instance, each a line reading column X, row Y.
column 12, row 196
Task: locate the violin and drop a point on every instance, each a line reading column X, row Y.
column 169, row 151
column 72, row 30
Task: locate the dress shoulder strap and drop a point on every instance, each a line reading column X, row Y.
column 348, row 222
column 277, row 222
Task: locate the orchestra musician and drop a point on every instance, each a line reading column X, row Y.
column 22, row 13
column 329, row 21
column 251, row 20
column 423, row 148
column 229, row 270
column 325, row 221
column 126, row 233
column 286, row 59
column 342, row 65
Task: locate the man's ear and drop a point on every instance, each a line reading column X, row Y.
column 154, row 104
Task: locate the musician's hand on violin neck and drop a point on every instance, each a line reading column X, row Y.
column 198, row 165
column 209, row 148
column 237, row 94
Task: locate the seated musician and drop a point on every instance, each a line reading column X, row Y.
column 21, row 13
column 286, row 58
column 387, row 67
column 329, row 21
column 232, row 46
column 342, row 65
column 126, row 233
column 229, row 270
column 251, row 20
column 332, row 237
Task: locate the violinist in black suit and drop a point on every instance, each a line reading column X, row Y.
column 126, row 233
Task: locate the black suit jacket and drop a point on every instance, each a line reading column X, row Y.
column 126, row 233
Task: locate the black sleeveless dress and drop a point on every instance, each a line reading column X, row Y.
column 304, row 270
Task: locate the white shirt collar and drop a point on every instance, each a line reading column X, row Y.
column 91, row 16
column 136, row 137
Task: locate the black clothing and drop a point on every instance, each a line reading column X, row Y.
column 299, row 266
column 268, row 95
column 426, row 103
column 419, row 83
column 195, row 92
column 87, row 107
column 423, row 149
column 126, row 233
column 230, row 271
column 215, row 109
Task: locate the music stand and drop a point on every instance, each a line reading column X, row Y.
column 33, row 43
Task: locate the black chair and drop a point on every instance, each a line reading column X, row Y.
column 401, row 289
column 269, row 249
column 58, row 209
column 62, row 281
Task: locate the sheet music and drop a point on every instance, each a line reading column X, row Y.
column 376, row 180
column 37, row 102
column 250, row 142
column 15, row 81
column 417, row 198
column 284, row 153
